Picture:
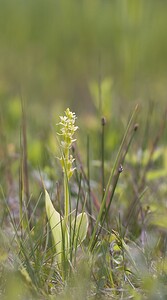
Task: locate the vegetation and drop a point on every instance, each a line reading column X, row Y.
column 124, row 254
column 83, row 193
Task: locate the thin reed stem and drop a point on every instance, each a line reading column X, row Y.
column 116, row 163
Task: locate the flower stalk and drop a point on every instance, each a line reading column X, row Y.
column 67, row 234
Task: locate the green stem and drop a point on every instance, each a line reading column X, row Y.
column 103, row 204
column 65, row 227
column 66, row 190
column 66, row 199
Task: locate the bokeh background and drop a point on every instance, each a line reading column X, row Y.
column 98, row 56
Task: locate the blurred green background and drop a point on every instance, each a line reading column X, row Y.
column 99, row 58
column 56, row 53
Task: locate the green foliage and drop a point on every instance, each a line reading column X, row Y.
column 56, row 225
column 105, row 243
column 79, row 227
column 67, row 235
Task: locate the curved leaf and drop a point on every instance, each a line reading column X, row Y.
column 79, row 228
column 56, row 224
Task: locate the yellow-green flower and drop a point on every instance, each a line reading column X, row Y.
column 67, row 131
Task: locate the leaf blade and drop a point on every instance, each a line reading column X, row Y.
column 55, row 222
column 79, row 227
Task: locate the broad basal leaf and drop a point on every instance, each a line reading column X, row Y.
column 79, row 228
column 57, row 226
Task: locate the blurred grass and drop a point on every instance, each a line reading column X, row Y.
column 53, row 52
column 51, row 49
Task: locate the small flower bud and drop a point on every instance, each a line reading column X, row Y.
column 120, row 169
column 103, row 121
column 136, row 126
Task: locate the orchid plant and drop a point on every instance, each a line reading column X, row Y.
column 64, row 229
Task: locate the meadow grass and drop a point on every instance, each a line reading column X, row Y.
column 47, row 249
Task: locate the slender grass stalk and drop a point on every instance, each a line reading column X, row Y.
column 22, row 248
column 116, row 163
column 132, row 210
column 103, row 122
column 21, row 187
column 142, row 178
column 74, row 229
column 88, row 182
column 119, row 171
column 99, row 84
column 25, row 159
column 92, row 194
